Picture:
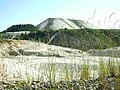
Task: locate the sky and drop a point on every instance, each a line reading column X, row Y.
column 101, row 13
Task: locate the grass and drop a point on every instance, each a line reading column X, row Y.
column 2, row 41
column 55, row 72
column 78, row 68
column 67, row 72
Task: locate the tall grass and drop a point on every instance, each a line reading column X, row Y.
column 74, row 70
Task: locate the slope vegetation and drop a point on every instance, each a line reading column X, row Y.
column 83, row 39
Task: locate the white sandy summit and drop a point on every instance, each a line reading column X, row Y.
column 60, row 23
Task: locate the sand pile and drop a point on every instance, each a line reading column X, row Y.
column 28, row 48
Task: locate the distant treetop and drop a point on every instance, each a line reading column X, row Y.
column 21, row 27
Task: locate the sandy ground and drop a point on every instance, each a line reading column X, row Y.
column 23, row 60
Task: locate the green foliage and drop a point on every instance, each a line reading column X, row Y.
column 0, row 35
column 83, row 39
column 5, row 41
column 114, row 35
column 21, row 27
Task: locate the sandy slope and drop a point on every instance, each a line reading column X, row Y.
column 62, row 23
column 22, row 60
column 12, row 54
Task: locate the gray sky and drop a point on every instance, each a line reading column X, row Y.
column 105, row 12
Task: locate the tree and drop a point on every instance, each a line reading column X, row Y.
column 21, row 27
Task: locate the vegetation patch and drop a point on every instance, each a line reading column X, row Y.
column 83, row 39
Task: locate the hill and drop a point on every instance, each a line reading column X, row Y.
column 21, row 27
column 15, row 30
column 83, row 39
column 60, row 23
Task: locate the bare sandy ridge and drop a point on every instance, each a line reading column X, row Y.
column 25, row 47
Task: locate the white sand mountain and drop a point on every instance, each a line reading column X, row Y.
column 60, row 23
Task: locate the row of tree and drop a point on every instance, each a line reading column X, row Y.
column 21, row 27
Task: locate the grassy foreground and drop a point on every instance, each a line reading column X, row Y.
column 75, row 77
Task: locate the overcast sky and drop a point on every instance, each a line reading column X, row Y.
column 14, row 12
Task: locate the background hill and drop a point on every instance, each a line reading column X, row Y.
column 21, row 27
column 60, row 23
